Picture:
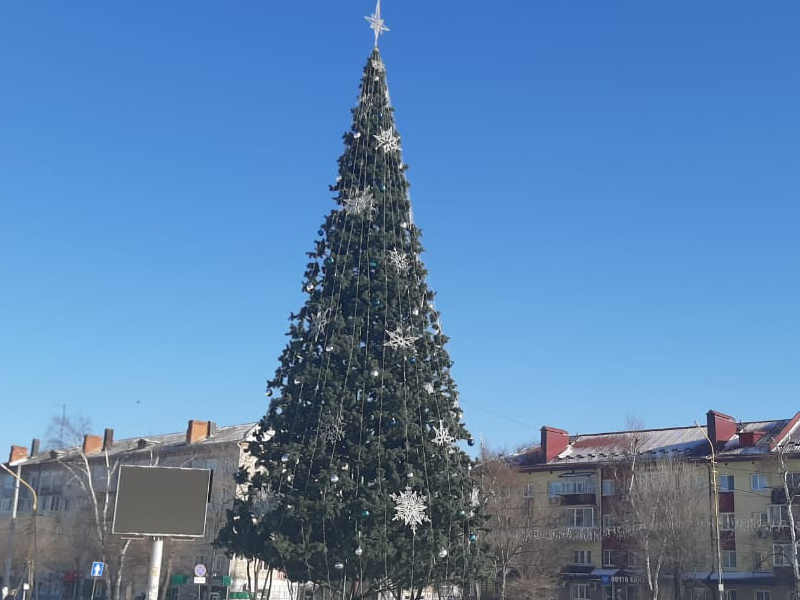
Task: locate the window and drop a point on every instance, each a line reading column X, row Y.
column 763, row 595
column 793, row 479
column 582, row 557
column 727, row 521
column 5, row 505
column 607, row 487
column 782, row 555
column 528, row 490
column 729, row 559
column 758, row 481
column 571, row 485
column 633, row 559
column 8, row 482
column 760, row 561
column 778, row 515
column 731, row 595
column 760, row 519
column 579, row 517
column 608, row 558
column 579, row 591
column 608, row 520
column 726, row 483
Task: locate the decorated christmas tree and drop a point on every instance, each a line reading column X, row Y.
column 358, row 483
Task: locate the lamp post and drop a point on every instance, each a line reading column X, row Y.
column 720, row 585
column 31, row 547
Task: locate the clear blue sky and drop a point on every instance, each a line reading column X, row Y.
column 609, row 195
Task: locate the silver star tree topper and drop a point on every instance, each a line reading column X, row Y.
column 376, row 23
column 410, row 508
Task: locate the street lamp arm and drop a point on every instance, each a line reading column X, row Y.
column 23, row 482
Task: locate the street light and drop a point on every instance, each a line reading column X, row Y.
column 720, row 585
column 31, row 547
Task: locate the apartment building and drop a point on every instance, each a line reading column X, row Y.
column 584, row 483
column 76, row 490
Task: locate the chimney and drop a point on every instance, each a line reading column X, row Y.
column 108, row 439
column 34, row 447
column 212, row 429
column 92, row 444
column 197, row 431
column 17, row 453
column 554, row 442
column 748, row 439
column 721, row 427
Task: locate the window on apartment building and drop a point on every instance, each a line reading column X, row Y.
column 793, row 479
column 760, row 519
column 528, row 490
column 571, row 485
column 778, row 515
column 763, row 595
column 608, row 488
column 608, row 520
column 727, row 521
column 726, row 483
column 608, row 558
column 758, row 481
column 5, row 505
column 731, row 595
column 8, row 482
column 633, row 558
column 760, row 561
column 699, row 594
column 782, row 555
column 579, row 591
column 582, row 557
column 579, row 517
column 45, row 482
column 729, row 559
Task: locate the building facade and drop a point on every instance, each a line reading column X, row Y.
column 75, row 493
column 633, row 515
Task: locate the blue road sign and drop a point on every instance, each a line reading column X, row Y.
column 97, row 569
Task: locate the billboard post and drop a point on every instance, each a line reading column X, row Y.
column 154, row 573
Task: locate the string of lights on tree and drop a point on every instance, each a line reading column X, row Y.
column 358, row 483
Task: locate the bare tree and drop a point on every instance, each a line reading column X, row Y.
column 665, row 520
column 527, row 555
column 790, row 483
column 95, row 481
column 66, row 429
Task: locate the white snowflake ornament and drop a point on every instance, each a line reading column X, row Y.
column 387, row 141
column 410, row 508
column 399, row 260
column 332, row 432
column 319, row 321
column 442, row 436
column 399, row 339
column 428, row 387
column 359, row 204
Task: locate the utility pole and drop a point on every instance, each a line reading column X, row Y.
column 11, row 528
column 31, row 542
column 720, row 584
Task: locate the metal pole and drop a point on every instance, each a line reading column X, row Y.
column 11, row 528
column 153, row 576
column 720, row 584
column 31, row 547
column 94, row 582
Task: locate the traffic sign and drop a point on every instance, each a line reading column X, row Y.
column 199, row 580
column 200, row 570
column 97, row 569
